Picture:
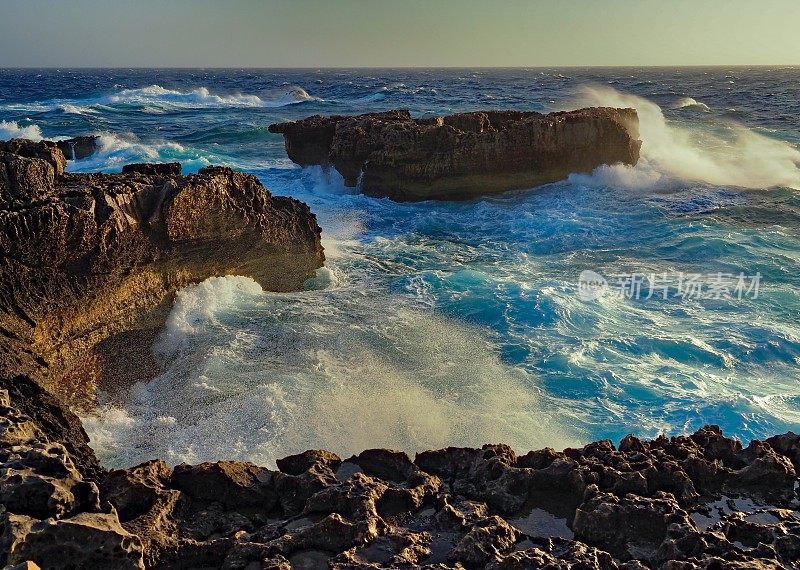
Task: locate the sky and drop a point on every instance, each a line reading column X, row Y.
column 399, row 33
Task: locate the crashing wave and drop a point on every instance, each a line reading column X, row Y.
column 115, row 150
column 673, row 153
column 13, row 130
column 691, row 103
column 156, row 99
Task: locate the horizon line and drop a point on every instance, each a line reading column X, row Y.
column 312, row 68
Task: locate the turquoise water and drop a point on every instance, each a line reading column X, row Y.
column 461, row 323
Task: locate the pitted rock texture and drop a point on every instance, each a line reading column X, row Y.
column 465, row 155
column 680, row 503
column 88, row 262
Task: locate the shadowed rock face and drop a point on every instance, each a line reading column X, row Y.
column 78, row 147
column 88, row 262
column 688, row 502
column 465, row 155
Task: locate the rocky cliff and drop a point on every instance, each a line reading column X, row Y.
column 88, row 262
column 464, row 155
column 681, row 503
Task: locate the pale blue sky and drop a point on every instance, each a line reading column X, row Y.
column 430, row 33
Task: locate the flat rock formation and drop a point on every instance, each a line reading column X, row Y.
column 89, row 262
column 465, row 155
column 681, row 503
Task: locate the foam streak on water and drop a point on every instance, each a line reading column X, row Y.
column 459, row 323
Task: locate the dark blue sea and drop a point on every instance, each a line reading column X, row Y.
column 653, row 299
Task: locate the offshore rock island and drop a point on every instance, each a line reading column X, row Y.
column 465, row 155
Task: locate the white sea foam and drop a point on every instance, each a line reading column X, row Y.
column 12, row 130
column 256, row 376
column 72, row 109
column 117, row 149
column 690, row 102
column 737, row 157
column 158, row 96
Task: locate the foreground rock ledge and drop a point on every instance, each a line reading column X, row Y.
column 465, row 155
column 699, row 501
column 89, row 262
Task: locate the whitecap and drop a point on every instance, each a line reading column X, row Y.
column 12, row 130
column 158, row 96
column 114, row 150
column 689, row 102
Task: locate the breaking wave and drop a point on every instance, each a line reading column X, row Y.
column 734, row 156
column 257, row 376
column 689, row 102
column 158, row 96
column 116, row 150
column 12, row 130
column 155, row 99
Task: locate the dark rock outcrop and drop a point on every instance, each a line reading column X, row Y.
column 78, row 147
column 88, row 262
column 671, row 503
column 464, row 155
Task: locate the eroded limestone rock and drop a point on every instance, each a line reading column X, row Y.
column 464, row 155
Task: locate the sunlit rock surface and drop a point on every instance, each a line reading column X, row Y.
column 89, row 262
column 699, row 501
column 465, row 155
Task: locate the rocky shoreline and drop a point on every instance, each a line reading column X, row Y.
column 90, row 262
column 699, row 501
column 89, row 265
column 465, row 155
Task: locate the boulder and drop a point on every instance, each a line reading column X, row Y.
column 465, row 155
column 87, row 540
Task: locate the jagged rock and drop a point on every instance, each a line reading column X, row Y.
column 41, row 481
column 487, row 541
column 629, row 527
column 150, row 169
column 464, row 155
column 77, row 148
column 146, row 506
column 294, row 491
column 233, row 484
column 451, row 508
column 458, row 514
column 89, row 260
column 302, row 462
column 86, row 540
column 55, row 422
column 765, row 473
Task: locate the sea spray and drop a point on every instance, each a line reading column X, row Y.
column 117, row 149
column 12, row 130
column 256, row 376
column 737, row 157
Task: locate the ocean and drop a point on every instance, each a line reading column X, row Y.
column 644, row 300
